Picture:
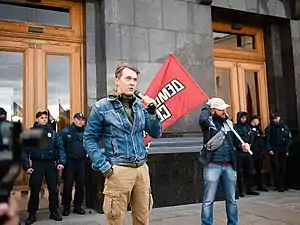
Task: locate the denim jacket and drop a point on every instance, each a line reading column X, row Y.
column 123, row 142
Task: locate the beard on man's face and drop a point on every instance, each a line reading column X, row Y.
column 220, row 116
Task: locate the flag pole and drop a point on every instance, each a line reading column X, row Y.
column 58, row 108
column 238, row 137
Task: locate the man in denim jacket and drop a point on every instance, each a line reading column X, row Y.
column 118, row 121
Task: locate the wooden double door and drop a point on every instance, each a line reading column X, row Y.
column 39, row 75
column 41, row 62
column 240, row 70
column 243, row 85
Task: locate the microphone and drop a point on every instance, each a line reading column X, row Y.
column 151, row 106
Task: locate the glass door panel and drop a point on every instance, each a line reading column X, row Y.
column 226, row 85
column 222, row 80
column 243, row 86
column 11, row 84
column 64, row 83
column 58, row 82
column 252, row 96
column 16, row 94
column 11, row 89
column 253, row 90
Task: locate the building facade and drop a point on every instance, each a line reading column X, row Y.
column 61, row 55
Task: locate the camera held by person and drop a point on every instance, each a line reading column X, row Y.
column 12, row 141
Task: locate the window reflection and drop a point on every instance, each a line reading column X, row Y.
column 233, row 40
column 223, row 86
column 58, row 70
column 11, row 84
column 252, row 97
column 34, row 14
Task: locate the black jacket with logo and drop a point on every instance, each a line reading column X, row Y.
column 72, row 137
column 278, row 135
column 53, row 151
column 258, row 144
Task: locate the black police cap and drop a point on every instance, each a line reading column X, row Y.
column 79, row 116
column 275, row 115
column 40, row 113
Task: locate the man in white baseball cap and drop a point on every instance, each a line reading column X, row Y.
column 217, row 103
column 219, row 158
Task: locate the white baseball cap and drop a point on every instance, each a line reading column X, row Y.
column 217, row 103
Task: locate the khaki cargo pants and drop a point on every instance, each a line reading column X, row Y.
column 128, row 185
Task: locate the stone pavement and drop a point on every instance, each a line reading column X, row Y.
column 272, row 208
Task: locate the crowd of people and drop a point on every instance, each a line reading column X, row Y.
column 117, row 124
column 233, row 153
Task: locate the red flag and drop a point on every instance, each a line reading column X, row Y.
column 175, row 91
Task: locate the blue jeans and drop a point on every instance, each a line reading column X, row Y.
column 212, row 174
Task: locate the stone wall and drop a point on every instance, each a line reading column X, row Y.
column 278, row 8
column 144, row 32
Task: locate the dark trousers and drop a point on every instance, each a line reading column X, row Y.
column 258, row 165
column 74, row 171
column 278, row 161
column 48, row 170
column 244, row 172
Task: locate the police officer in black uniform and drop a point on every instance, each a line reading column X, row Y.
column 46, row 162
column 278, row 142
column 72, row 137
column 244, row 172
column 257, row 148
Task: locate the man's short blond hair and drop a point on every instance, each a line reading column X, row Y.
column 124, row 65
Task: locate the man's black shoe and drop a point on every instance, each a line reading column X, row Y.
column 79, row 210
column 242, row 194
column 252, row 193
column 281, row 190
column 55, row 216
column 264, row 189
column 31, row 219
column 66, row 212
